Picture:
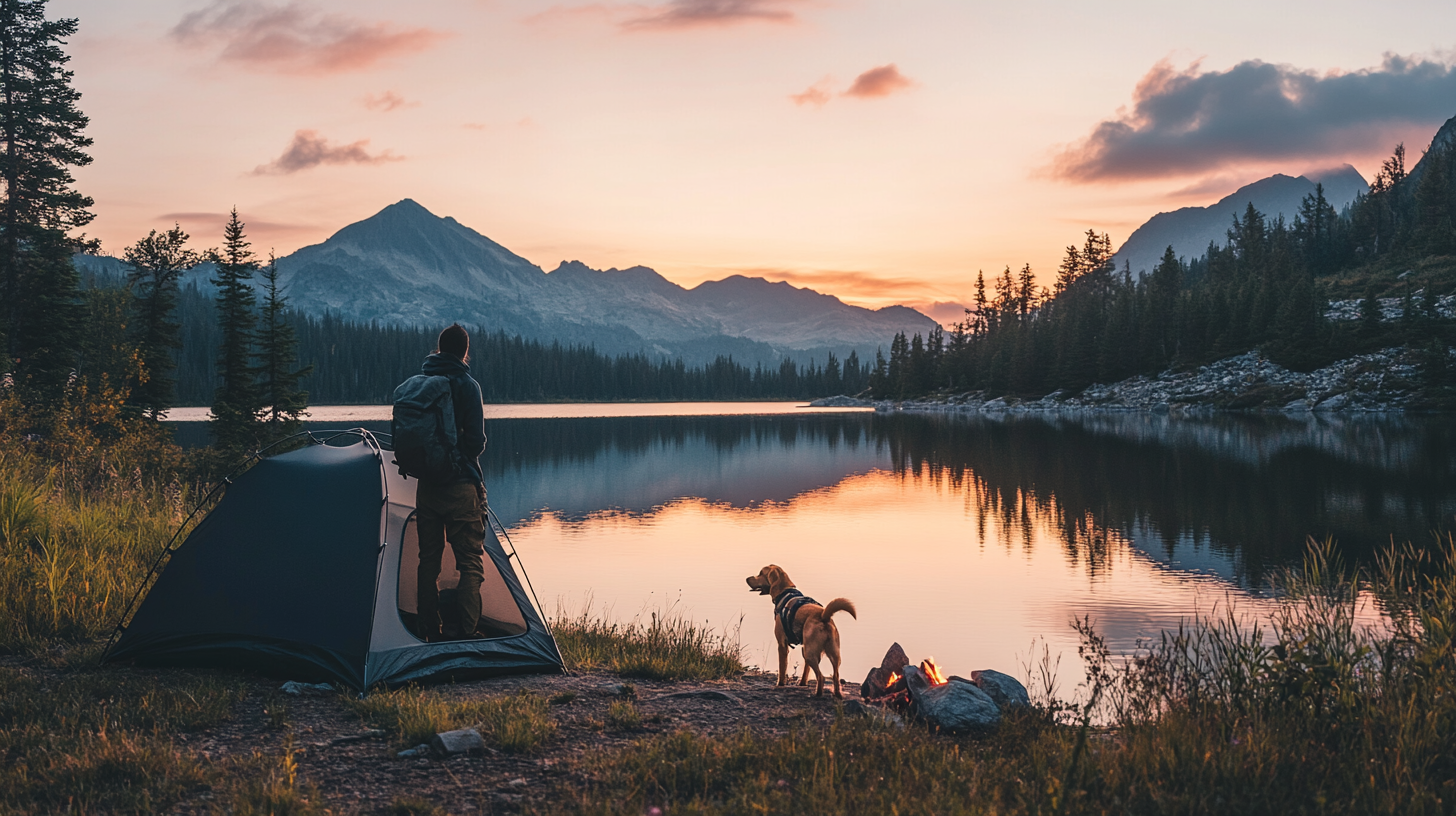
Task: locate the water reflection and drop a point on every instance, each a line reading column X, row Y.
column 966, row 538
column 1247, row 488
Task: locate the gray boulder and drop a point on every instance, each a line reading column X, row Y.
column 895, row 662
column 454, row 743
column 1003, row 689
column 956, row 705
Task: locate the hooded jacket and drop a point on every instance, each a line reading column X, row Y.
column 469, row 412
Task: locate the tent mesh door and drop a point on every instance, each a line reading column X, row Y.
column 499, row 615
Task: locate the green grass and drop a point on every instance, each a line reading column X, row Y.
column 1318, row 715
column 668, row 646
column 101, row 740
column 81, row 523
column 624, row 716
column 520, row 723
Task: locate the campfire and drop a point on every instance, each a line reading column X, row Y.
column 926, row 692
column 886, row 684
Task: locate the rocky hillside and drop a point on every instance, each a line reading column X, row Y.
column 1191, row 229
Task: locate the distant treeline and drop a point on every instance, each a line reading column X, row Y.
column 1266, row 289
column 360, row 363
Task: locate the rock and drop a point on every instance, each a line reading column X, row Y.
column 840, row 401
column 956, row 705
column 704, row 694
column 895, row 661
column 417, row 751
column 616, row 690
column 455, row 743
column 1003, row 689
column 295, row 687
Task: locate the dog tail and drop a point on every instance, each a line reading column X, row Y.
column 837, row 605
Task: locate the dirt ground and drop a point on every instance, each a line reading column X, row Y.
column 364, row 775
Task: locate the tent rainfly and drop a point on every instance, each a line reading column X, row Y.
column 297, row 572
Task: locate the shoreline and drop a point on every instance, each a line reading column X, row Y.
column 1383, row 382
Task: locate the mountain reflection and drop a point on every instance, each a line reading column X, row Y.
column 1236, row 495
column 1232, row 495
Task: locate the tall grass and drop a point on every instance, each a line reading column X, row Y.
column 88, row 500
column 667, row 646
column 72, row 556
column 1318, row 714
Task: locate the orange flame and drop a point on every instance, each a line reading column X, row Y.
column 894, row 678
column 932, row 671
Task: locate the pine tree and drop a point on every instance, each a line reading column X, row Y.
column 1026, row 292
column 235, row 404
column 40, row 126
column 278, row 380
column 880, row 376
column 157, row 262
column 1435, row 211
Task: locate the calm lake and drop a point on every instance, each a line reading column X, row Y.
column 974, row 539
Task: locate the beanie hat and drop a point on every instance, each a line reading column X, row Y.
column 454, row 341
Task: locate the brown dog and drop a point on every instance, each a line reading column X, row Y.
column 807, row 621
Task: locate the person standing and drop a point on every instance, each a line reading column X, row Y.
column 453, row 509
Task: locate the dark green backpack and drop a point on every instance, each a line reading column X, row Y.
column 423, row 426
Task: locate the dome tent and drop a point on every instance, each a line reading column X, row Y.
column 297, row 572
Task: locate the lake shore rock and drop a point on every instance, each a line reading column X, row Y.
column 1386, row 381
column 957, row 705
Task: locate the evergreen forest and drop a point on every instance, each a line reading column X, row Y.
column 1268, row 289
column 352, row 363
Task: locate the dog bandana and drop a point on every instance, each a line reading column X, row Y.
column 786, row 605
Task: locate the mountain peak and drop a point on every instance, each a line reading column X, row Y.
column 1190, row 230
column 1444, row 139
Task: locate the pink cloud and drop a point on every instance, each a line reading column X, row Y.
column 294, row 39
column 674, row 14
column 849, row 283
column 817, row 94
column 878, row 82
column 872, row 84
column 207, row 225
column 309, row 149
column 709, row 13
column 387, row 101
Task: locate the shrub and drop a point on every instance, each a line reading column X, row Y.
column 668, row 646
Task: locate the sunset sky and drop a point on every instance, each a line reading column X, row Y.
column 882, row 152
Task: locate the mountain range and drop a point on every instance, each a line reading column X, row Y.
column 1191, row 229
column 406, row 266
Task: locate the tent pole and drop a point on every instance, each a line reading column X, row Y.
column 491, row 514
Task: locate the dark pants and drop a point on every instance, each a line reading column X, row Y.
column 449, row 512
